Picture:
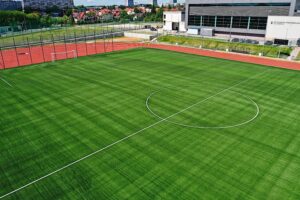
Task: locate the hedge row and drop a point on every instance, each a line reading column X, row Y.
column 254, row 49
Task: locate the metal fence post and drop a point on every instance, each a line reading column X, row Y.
column 112, row 41
column 76, row 43
column 16, row 51
column 86, row 49
column 104, row 37
column 66, row 46
column 54, row 48
column 95, row 40
column 29, row 50
column 41, row 41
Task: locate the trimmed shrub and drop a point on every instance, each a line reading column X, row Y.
column 254, row 49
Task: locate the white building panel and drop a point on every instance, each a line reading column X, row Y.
column 283, row 27
column 172, row 17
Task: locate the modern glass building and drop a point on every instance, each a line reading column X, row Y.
column 10, row 5
column 129, row 3
column 43, row 4
column 237, row 16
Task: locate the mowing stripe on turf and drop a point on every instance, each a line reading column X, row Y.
column 207, row 127
column 5, row 81
column 127, row 137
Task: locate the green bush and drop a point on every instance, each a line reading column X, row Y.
column 298, row 57
column 254, row 49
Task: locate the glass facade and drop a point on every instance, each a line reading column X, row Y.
column 256, row 23
column 10, row 5
column 194, row 20
column 240, row 22
column 43, row 4
column 242, row 4
column 297, row 5
column 237, row 14
column 208, row 21
column 223, row 21
column 259, row 23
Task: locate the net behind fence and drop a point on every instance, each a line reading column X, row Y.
column 63, row 55
column 57, row 44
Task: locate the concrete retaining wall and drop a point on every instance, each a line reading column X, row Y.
column 139, row 35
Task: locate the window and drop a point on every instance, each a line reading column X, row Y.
column 194, row 20
column 223, row 21
column 164, row 16
column 242, row 4
column 240, row 22
column 258, row 23
column 208, row 21
column 297, row 7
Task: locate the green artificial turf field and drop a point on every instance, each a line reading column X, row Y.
column 153, row 124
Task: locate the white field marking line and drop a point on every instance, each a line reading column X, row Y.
column 5, row 81
column 207, row 127
column 121, row 140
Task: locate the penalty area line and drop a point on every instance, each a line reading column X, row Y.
column 123, row 139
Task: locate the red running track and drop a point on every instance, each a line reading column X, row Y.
column 231, row 56
column 39, row 54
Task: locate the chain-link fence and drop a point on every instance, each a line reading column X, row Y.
column 54, row 44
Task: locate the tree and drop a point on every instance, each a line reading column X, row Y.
column 149, row 17
column 65, row 19
column 81, row 8
column 33, row 20
column 46, row 21
column 153, row 9
column 91, row 14
column 124, row 15
column 53, row 9
column 159, row 15
column 69, row 12
column 136, row 10
column 11, row 17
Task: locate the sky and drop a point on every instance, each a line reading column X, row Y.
column 111, row 2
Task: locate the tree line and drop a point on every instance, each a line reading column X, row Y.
column 32, row 20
